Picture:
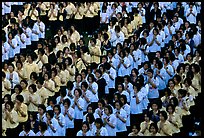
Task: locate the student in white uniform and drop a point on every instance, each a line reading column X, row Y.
column 100, row 109
column 191, row 14
column 121, row 116
column 124, row 64
column 78, row 107
column 127, row 85
column 136, row 106
column 27, row 130
column 28, row 32
column 126, row 107
column 109, row 120
column 13, row 44
column 61, row 120
column 121, row 91
column 106, row 77
column 86, row 95
column 35, row 35
column 6, row 48
column 22, row 40
column 99, row 129
column 43, row 130
column 68, row 113
column 169, row 70
column 90, row 111
column 85, row 131
column 41, row 116
column 41, row 25
column 52, row 123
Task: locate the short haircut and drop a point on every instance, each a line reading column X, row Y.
column 20, row 98
column 109, row 108
column 164, row 114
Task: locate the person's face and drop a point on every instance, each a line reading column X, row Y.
column 122, row 100
column 8, row 107
column 83, row 88
column 133, row 73
column 154, row 107
column 170, row 110
column 134, row 130
column 98, row 75
column 161, row 117
column 90, row 79
column 171, row 84
column 30, row 89
column 78, row 78
column 158, row 55
column 16, row 90
column 56, row 110
column 76, row 93
column 46, row 77
column 117, row 106
column 83, row 75
column 40, row 111
column 31, row 117
column 152, row 129
column 149, row 74
column 29, row 59
column 5, row 99
column 181, row 70
column 90, row 110
column 98, row 126
column 175, row 80
column 84, row 128
column 100, row 105
column 101, row 68
column 146, row 118
column 120, row 88
column 186, row 24
column 48, row 116
column 56, row 40
column 23, row 85
column 188, row 57
column 10, row 68
column 106, row 111
column 103, row 60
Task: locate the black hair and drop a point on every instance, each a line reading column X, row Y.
column 33, row 86
column 164, row 114
column 42, row 106
column 188, row 80
column 10, row 103
column 154, row 125
column 63, row 91
column 18, row 86
column 87, row 124
column 70, row 85
column 178, row 78
column 85, row 84
column 102, row 102
column 121, row 85
column 183, row 92
column 43, row 126
column 20, row 98
column 27, row 126
column 172, row 106
column 67, row 101
column 50, row 113
column 124, row 98
column 51, row 98
column 175, row 101
column 120, row 103
column 58, row 107
column 92, row 77
column 8, row 96
column 99, row 121
column 34, row 75
column 91, row 118
column 79, row 90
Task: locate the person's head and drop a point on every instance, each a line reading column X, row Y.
column 9, row 105
column 78, row 78
column 18, row 89
column 33, row 76
column 163, row 116
column 135, row 129
column 49, row 114
column 171, row 83
column 187, row 82
column 42, row 126
column 150, row 73
column 26, row 126
column 77, row 93
column 41, row 109
column 195, row 68
column 11, row 67
column 32, row 88
column 98, row 123
column 19, row 99
column 57, row 109
column 84, row 86
column 98, row 73
column 118, row 105
column 153, row 128
column 123, row 99
column 101, row 104
column 32, row 116
column 120, row 87
column 182, row 93
column 177, row 79
column 147, row 116
column 85, row 126
column 91, row 78
column 108, row 110
column 7, row 98
column 51, row 101
column 154, row 106
column 63, row 91
column 67, row 103
column 102, row 68
column 47, row 76
column 134, row 72
column 174, row 101
column 170, row 108
column 90, row 118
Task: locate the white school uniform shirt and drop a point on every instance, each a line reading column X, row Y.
column 12, row 51
column 113, row 120
column 122, row 71
column 23, row 45
column 138, row 57
column 131, row 63
column 35, row 37
column 162, row 35
column 94, row 97
column 114, row 62
column 15, row 79
column 103, row 131
column 114, row 39
column 7, row 9
column 55, row 124
column 61, row 129
column 42, row 26
column 69, row 123
column 49, row 108
column 2, row 5
column 140, row 13
column 141, row 72
column 191, row 18
column 2, row 53
column 79, row 113
column 126, row 107
column 127, row 95
column 6, row 51
column 30, row 133
column 153, row 92
column 46, row 133
column 121, row 126
column 76, row 86
column 58, row 100
column 197, row 39
column 134, row 107
column 166, row 32
column 80, row 133
column 89, row 95
column 162, row 84
column 29, row 33
column 155, row 47
column 173, row 30
column 44, row 118
column 145, row 101
column 180, row 58
column 102, row 112
column 111, row 83
column 17, row 49
column 130, row 87
column 104, row 16
column 107, row 78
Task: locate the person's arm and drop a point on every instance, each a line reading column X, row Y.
column 71, row 116
column 79, row 106
column 122, row 119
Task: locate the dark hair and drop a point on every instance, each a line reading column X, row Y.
column 172, row 81
column 91, row 118
column 128, row 78
column 92, row 77
column 196, row 67
column 70, row 85
column 182, row 92
column 172, row 106
column 43, row 126
column 79, row 90
column 50, row 113
column 40, row 81
column 178, row 78
column 27, row 126
column 154, row 125
column 99, row 71
column 124, row 98
column 188, row 80
column 67, row 101
column 25, row 82
column 18, row 86
column 120, row 103
column 20, row 98
column 99, row 121
column 10, row 103
column 85, row 84
column 87, row 124
column 48, row 74
column 35, row 75
column 164, row 114
column 8, row 96
column 33, row 86
column 58, row 107
column 102, row 102
column 42, row 106
column 175, row 101
column 121, row 85
column 109, row 108
column 63, row 91
column 51, row 99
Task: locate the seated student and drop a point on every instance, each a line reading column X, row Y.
column 85, row 130
column 145, row 125
column 164, row 125
column 68, row 113
column 27, row 131
column 61, row 120
column 90, row 119
column 109, row 120
column 135, row 131
column 52, row 123
column 43, row 130
column 99, row 129
column 153, row 129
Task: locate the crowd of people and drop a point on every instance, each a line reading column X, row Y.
column 101, row 68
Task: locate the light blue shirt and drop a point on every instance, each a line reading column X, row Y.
column 68, row 122
column 79, row 113
column 153, row 92
column 121, row 126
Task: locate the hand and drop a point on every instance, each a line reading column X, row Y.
column 149, row 79
column 117, row 114
column 61, row 100
column 105, row 120
column 48, row 122
column 30, row 99
column 158, row 72
column 45, row 85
